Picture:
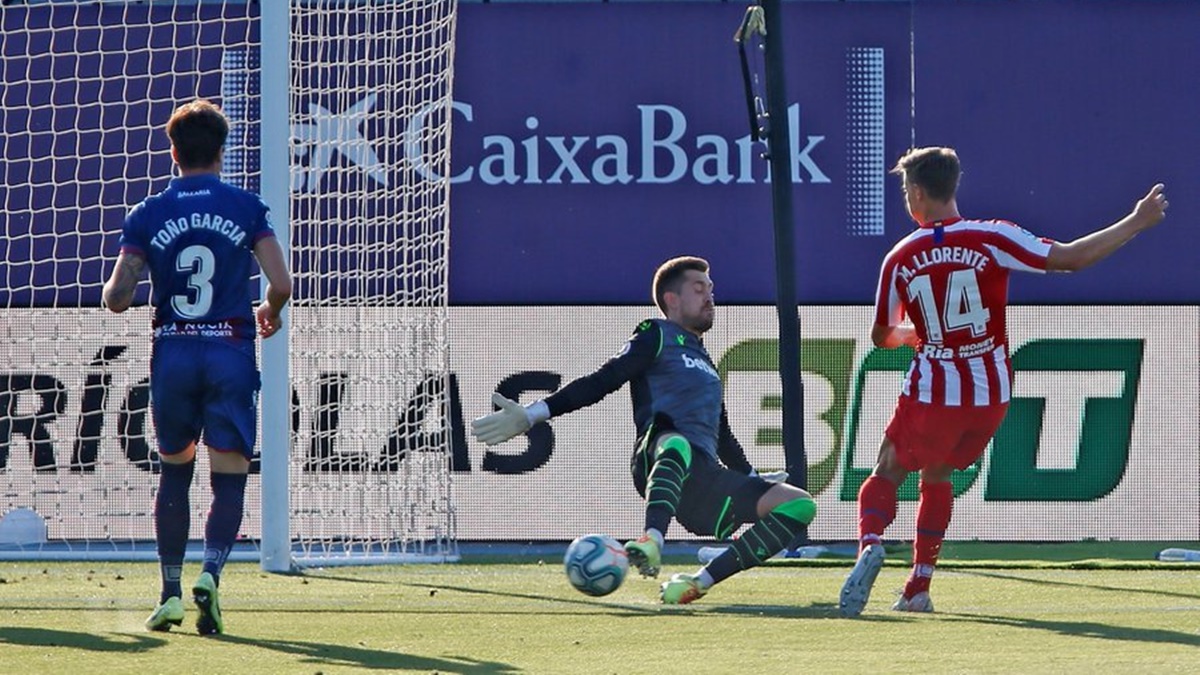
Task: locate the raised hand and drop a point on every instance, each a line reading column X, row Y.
column 1152, row 208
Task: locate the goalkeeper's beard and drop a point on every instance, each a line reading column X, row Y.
column 702, row 323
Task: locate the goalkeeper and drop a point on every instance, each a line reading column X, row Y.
column 686, row 462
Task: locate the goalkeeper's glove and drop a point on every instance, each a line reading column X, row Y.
column 771, row 476
column 512, row 419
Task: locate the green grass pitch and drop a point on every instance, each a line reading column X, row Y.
column 1030, row 610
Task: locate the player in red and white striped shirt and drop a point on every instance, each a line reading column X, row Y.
column 943, row 290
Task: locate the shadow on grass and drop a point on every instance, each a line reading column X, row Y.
column 581, row 601
column 1085, row 629
column 324, row 576
column 323, row 654
column 816, row 610
column 820, row 610
column 49, row 637
column 1074, row 584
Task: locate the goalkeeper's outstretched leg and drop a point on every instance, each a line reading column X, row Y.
column 663, row 464
column 781, row 512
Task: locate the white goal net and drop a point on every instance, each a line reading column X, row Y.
column 87, row 88
column 369, row 240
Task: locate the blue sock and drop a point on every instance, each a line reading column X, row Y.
column 172, row 518
column 224, row 520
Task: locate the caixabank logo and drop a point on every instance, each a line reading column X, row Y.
column 644, row 144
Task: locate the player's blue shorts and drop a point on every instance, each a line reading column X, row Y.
column 204, row 388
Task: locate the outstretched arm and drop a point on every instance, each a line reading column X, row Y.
column 513, row 419
column 1092, row 248
column 118, row 290
column 635, row 357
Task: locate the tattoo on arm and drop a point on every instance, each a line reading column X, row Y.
column 118, row 292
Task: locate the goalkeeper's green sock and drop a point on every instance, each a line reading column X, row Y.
column 672, row 465
column 764, row 539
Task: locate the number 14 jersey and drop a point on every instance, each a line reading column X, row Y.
column 950, row 278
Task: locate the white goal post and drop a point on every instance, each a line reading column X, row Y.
column 354, row 437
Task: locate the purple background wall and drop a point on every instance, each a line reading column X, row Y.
column 74, row 158
column 1064, row 114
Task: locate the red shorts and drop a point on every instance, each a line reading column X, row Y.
column 927, row 435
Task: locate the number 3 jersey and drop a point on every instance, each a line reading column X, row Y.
column 198, row 239
column 950, row 278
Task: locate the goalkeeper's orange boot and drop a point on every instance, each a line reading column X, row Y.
column 645, row 554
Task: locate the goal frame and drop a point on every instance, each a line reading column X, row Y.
column 274, row 164
column 282, row 543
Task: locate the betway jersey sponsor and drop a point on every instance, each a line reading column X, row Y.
column 950, row 278
column 670, row 374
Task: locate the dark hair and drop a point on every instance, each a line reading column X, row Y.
column 669, row 277
column 197, row 130
column 935, row 169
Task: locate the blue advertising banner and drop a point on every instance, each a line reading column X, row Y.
column 591, row 141
column 1064, row 114
column 74, row 81
column 618, row 138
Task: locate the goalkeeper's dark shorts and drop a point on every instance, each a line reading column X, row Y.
column 715, row 501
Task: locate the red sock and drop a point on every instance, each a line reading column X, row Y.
column 933, row 516
column 876, row 509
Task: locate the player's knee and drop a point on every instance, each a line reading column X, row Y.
column 802, row 509
column 677, row 443
column 183, row 456
column 937, row 473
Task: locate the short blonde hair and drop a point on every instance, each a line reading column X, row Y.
column 935, row 169
column 669, row 277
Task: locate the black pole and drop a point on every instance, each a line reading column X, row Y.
column 779, row 149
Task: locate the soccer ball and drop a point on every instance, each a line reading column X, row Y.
column 596, row 564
